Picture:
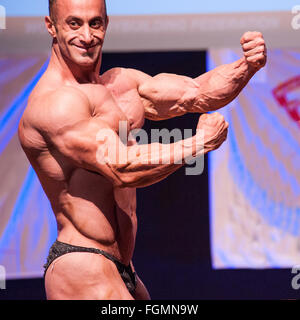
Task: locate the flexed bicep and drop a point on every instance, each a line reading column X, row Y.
column 165, row 95
column 168, row 95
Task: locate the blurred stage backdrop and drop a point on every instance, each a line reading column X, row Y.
column 254, row 180
column 255, row 176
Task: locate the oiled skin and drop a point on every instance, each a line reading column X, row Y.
column 95, row 204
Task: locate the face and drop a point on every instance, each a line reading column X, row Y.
column 80, row 28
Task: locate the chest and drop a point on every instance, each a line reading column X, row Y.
column 130, row 104
column 119, row 101
column 125, row 93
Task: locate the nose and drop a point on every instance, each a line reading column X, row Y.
column 86, row 37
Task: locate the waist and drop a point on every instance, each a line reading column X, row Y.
column 114, row 244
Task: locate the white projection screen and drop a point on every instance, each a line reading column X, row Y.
column 27, row 227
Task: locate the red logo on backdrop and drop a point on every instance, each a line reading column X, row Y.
column 288, row 96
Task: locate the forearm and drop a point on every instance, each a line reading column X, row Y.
column 167, row 95
column 143, row 165
column 221, row 85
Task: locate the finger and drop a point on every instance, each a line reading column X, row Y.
column 257, row 59
column 225, row 129
column 203, row 117
column 255, row 51
column 218, row 121
column 221, row 130
column 211, row 119
column 249, row 36
column 253, row 44
column 218, row 117
column 214, row 115
column 221, row 139
column 224, row 135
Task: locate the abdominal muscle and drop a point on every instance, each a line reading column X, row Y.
column 92, row 213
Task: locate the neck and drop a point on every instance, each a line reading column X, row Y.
column 72, row 72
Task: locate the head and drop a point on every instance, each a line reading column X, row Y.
column 78, row 29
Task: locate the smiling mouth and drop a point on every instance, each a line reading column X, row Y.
column 85, row 48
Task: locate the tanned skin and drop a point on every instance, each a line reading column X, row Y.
column 95, row 203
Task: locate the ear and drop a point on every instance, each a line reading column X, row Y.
column 50, row 26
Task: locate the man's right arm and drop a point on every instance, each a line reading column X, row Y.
column 88, row 142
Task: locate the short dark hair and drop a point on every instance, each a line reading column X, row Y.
column 52, row 11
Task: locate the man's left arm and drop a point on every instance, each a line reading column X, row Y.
column 169, row 95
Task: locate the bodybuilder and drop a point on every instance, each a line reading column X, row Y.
column 94, row 202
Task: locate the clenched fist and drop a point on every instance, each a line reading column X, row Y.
column 215, row 130
column 254, row 48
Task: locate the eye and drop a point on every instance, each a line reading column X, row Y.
column 96, row 24
column 74, row 24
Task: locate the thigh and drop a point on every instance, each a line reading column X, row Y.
column 84, row 276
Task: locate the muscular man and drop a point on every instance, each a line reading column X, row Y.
column 94, row 201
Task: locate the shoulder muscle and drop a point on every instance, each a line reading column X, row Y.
column 58, row 109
